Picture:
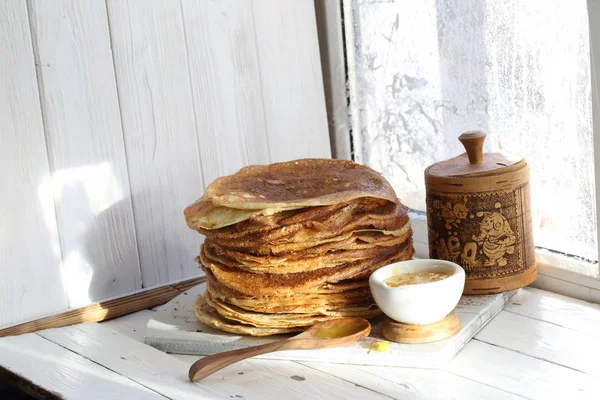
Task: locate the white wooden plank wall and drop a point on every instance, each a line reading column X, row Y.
column 291, row 78
column 226, row 87
column 161, row 141
column 85, row 148
column 30, row 268
column 135, row 106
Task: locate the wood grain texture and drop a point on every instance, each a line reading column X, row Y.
column 257, row 378
column 30, row 266
column 86, row 150
column 567, row 312
column 548, row 281
column 291, row 79
column 274, row 379
column 507, row 369
column 412, row 383
column 160, row 133
column 543, row 340
column 143, row 364
column 226, row 85
column 407, row 333
column 105, row 310
column 132, row 325
column 65, row 373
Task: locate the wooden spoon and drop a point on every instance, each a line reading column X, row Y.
column 339, row 332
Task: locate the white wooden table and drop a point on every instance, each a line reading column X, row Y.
column 542, row 346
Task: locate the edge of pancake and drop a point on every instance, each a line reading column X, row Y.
column 208, row 316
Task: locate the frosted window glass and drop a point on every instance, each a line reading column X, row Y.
column 517, row 69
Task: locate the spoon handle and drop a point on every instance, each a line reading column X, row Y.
column 213, row 363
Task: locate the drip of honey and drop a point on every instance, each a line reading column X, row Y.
column 414, row 278
column 380, row 346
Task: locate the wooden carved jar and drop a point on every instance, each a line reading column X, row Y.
column 478, row 216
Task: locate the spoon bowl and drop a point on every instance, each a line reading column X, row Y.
column 335, row 333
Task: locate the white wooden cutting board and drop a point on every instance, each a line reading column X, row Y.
column 175, row 329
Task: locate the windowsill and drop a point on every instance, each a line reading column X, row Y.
column 556, row 273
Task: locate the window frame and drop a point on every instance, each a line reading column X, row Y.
column 557, row 272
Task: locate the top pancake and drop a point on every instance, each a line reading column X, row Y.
column 203, row 214
column 299, row 183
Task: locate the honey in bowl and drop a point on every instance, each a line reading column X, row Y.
column 414, row 278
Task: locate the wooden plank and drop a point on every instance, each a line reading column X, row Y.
column 152, row 75
column 525, row 376
column 107, row 309
column 567, row 288
column 543, row 340
column 412, row 383
column 65, row 373
column 131, row 325
column 273, row 379
column 143, row 364
column 86, row 150
column 30, row 267
column 226, row 85
column 291, row 78
column 564, row 311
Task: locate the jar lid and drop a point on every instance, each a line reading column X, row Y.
column 474, row 162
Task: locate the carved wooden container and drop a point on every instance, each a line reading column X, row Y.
column 479, row 216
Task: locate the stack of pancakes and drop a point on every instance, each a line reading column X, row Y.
column 291, row 244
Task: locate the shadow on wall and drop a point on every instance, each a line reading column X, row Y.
column 114, row 262
column 96, row 232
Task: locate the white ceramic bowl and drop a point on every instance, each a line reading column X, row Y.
column 421, row 303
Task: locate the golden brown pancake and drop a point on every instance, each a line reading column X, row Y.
column 287, row 239
column 303, row 282
column 343, row 288
column 322, row 300
column 207, row 315
column 297, row 263
column 204, row 214
column 324, row 214
column 362, row 214
column 285, row 320
column 298, row 183
column 360, row 245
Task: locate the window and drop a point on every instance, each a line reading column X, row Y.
column 421, row 73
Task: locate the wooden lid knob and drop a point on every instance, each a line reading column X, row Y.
column 473, row 143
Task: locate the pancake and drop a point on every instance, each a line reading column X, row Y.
column 294, row 263
column 364, row 244
column 302, row 282
column 292, row 303
column 204, row 214
column 207, row 315
column 314, row 224
column 298, row 183
column 342, row 287
column 298, row 238
column 262, row 222
column 284, row 320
